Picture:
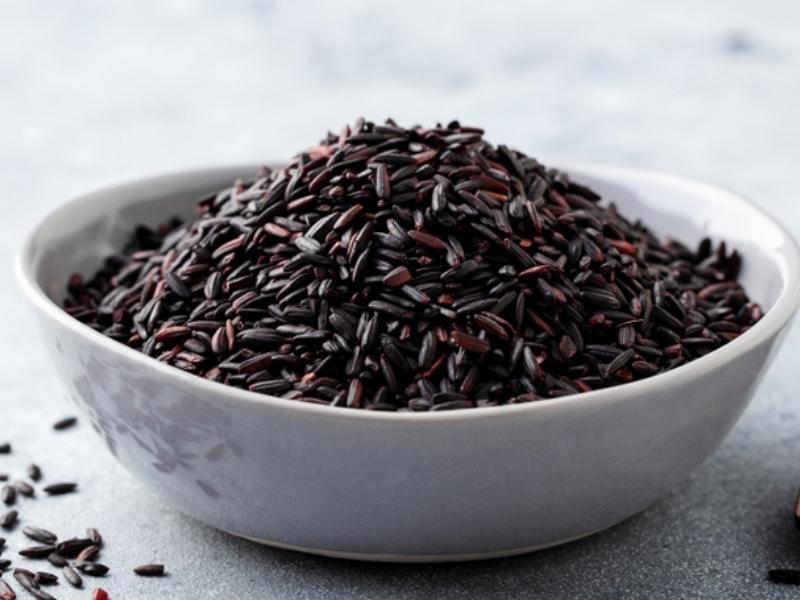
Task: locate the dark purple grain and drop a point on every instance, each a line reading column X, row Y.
column 65, row 423
column 39, row 534
column 387, row 265
column 9, row 519
column 149, row 570
column 37, row 551
column 91, row 568
column 34, row 472
column 786, row 576
column 56, row 489
column 71, row 575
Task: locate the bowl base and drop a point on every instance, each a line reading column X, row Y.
column 419, row 558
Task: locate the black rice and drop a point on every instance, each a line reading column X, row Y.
column 88, row 553
column 71, row 575
column 37, row 551
column 56, row 560
column 34, row 472
column 788, row 576
column 73, row 547
column 94, row 536
column 24, row 488
column 45, row 578
column 384, row 264
column 91, row 568
column 149, row 570
column 39, row 534
column 9, row 519
column 65, row 423
column 56, row 489
column 8, row 494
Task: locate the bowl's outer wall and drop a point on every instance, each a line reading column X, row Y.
column 466, row 487
column 327, row 481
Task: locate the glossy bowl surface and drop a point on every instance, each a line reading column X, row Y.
column 452, row 485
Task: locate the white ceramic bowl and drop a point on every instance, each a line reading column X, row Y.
column 385, row 486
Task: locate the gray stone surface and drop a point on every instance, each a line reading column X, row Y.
column 92, row 92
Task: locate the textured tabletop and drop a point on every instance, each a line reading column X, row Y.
column 93, row 92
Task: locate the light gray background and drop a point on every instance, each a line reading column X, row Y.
column 92, row 92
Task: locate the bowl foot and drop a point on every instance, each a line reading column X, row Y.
column 418, row 558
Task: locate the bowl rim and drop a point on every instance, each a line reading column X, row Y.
column 773, row 320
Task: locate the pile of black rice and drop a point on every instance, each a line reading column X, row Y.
column 413, row 270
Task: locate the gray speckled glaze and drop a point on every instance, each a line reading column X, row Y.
column 467, row 484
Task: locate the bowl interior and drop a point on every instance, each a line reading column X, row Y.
column 77, row 237
column 688, row 211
